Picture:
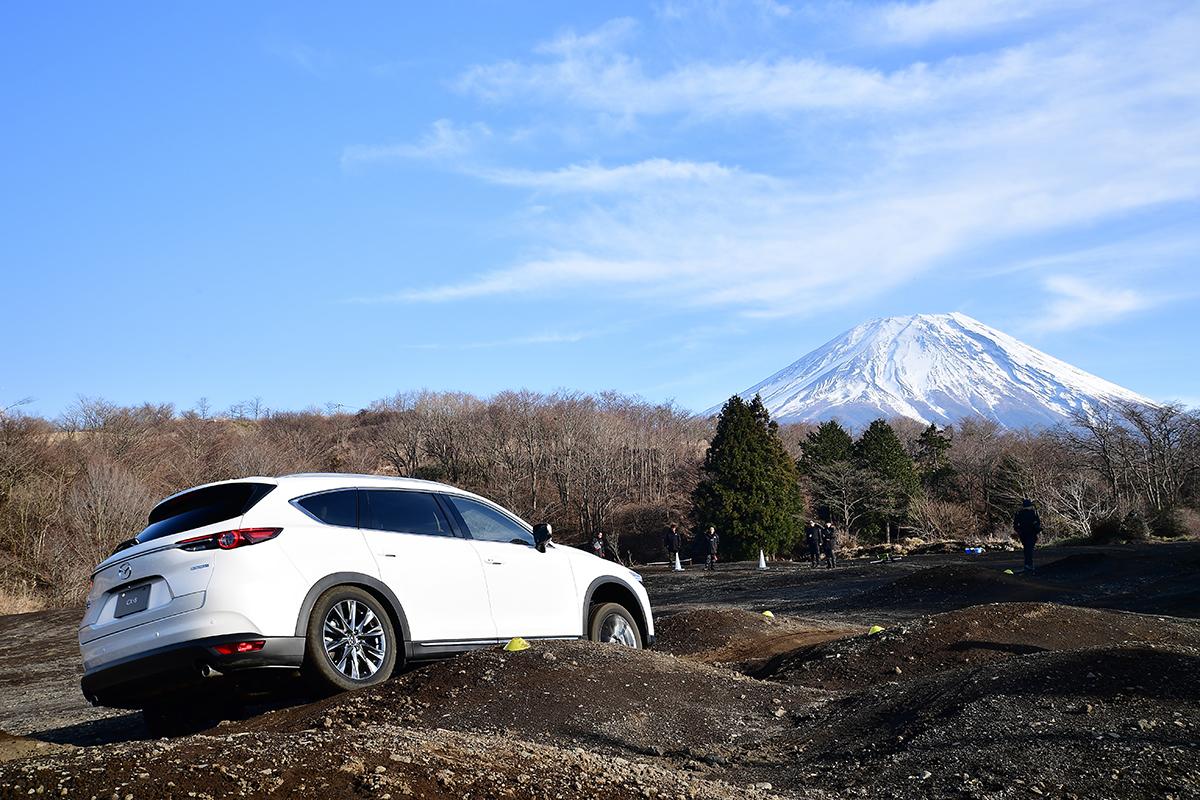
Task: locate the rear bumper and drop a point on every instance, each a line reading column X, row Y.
column 133, row 681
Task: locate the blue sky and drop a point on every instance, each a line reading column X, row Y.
column 317, row 205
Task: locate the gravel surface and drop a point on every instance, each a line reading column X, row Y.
column 981, row 685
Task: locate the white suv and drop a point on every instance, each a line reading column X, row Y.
column 340, row 576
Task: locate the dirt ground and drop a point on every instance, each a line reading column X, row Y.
column 1083, row 682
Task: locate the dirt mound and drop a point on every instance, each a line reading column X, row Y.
column 699, row 630
column 380, row 762
column 736, row 636
column 1100, row 722
column 956, row 585
column 578, row 692
column 967, row 637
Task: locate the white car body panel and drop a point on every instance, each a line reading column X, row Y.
column 532, row 594
column 446, row 603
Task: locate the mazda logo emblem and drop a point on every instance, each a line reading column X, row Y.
column 124, row 571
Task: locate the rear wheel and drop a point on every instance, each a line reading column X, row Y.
column 351, row 642
column 611, row 623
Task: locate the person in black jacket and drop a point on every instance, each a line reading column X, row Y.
column 713, row 541
column 827, row 545
column 812, row 538
column 673, row 543
column 1027, row 525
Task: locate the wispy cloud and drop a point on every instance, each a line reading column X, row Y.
column 443, row 140
column 720, row 10
column 1079, row 303
column 593, row 72
column 638, row 176
column 921, row 21
column 1023, row 140
column 951, row 156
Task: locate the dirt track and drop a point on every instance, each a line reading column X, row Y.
column 1057, row 692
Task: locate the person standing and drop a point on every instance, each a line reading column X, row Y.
column 812, row 538
column 712, row 542
column 602, row 548
column 673, row 543
column 1027, row 525
column 828, row 542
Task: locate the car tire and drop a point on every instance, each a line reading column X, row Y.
column 350, row 643
column 611, row 623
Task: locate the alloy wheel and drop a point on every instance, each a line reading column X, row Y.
column 354, row 639
column 615, row 629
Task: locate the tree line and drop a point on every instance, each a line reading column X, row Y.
column 73, row 487
column 1117, row 474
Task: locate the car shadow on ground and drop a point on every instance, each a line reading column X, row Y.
column 111, row 730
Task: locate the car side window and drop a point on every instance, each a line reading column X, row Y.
column 333, row 508
column 403, row 512
column 488, row 524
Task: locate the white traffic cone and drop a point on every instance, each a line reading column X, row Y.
column 678, row 567
column 762, row 560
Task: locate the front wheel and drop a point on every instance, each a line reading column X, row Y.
column 351, row 643
column 611, row 623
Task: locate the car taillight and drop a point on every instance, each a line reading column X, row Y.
column 232, row 648
column 228, row 540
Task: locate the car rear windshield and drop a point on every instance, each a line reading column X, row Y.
column 201, row 507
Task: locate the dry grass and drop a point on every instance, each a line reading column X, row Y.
column 19, row 600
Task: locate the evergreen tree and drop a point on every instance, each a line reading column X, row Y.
column 881, row 453
column 827, row 444
column 749, row 488
column 826, row 456
column 933, row 464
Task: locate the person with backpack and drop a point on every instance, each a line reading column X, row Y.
column 1027, row 525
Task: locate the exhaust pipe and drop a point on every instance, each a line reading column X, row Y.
column 208, row 671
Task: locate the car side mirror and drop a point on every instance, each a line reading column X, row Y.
column 542, row 532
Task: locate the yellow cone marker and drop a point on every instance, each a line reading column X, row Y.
column 874, row 630
column 516, row 643
column 768, row 615
column 1008, row 572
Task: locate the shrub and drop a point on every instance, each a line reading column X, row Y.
column 1108, row 530
column 940, row 520
column 1176, row 523
column 1134, row 527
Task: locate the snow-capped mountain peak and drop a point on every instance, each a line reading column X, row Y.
column 934, row 368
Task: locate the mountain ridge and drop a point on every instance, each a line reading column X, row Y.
column 933, row 368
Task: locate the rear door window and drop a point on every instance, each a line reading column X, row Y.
column 203, row 506
column 333, row 508
column 488, row 524
column 403, row 512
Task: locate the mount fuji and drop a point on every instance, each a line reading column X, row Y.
column 933, row 368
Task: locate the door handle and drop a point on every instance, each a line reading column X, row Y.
column 494, row 562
